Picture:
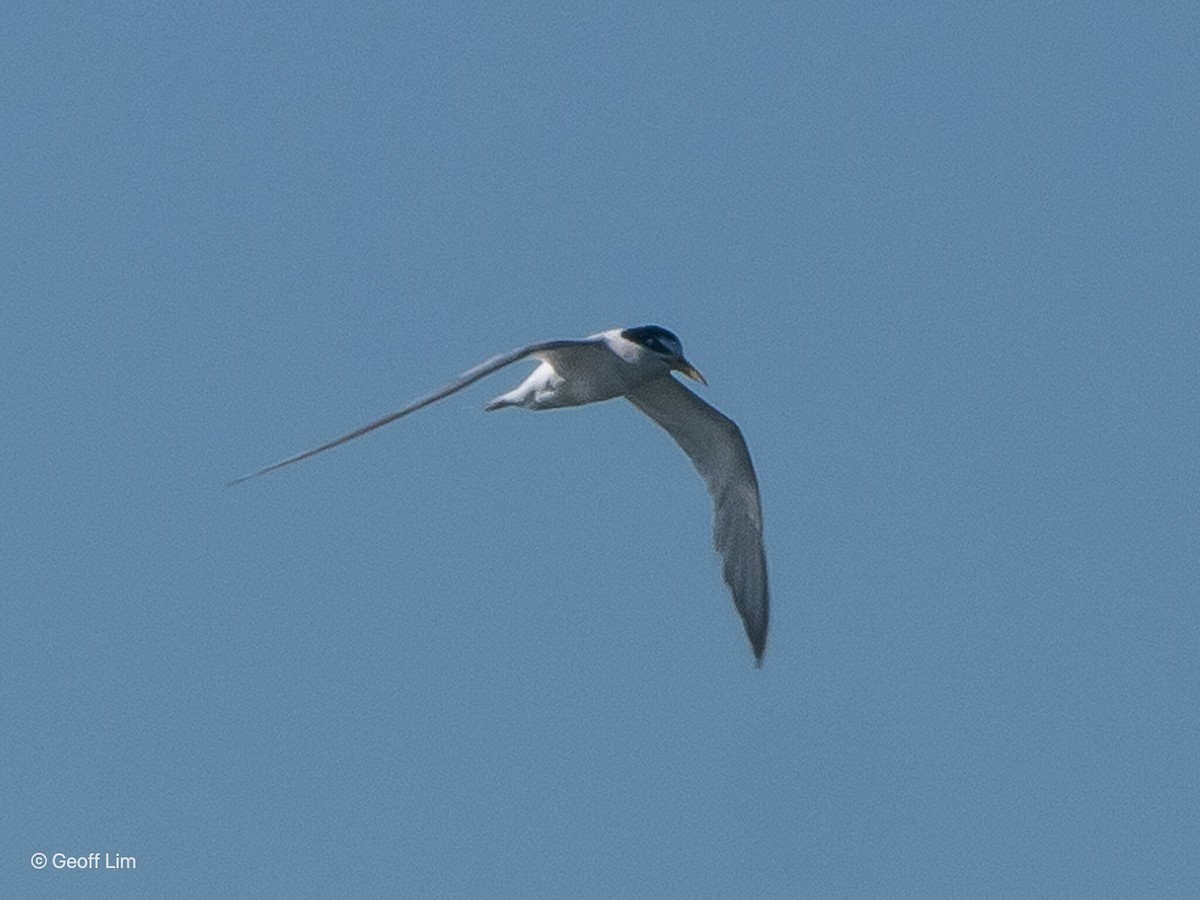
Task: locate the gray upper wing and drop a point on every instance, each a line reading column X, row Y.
column 469, row 377
column 718, row 451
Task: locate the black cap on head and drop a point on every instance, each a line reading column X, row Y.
column 656, row 338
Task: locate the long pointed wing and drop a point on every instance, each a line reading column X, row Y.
column 469, row 377
column 718, row 451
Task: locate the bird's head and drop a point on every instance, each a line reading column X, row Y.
column 665, row 345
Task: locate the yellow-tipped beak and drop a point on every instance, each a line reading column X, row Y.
column 690, row 371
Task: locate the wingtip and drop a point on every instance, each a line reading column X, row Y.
column 245, row 478
column 758, row 644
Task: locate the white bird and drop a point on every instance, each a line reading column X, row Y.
column 636, row 363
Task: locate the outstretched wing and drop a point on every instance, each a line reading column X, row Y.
column 718, row 451
column 467, row 378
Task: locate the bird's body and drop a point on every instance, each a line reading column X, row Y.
column 636, row 363
column 602, row 367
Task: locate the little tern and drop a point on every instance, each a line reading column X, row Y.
column 636, row 363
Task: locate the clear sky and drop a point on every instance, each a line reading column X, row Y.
column 941, row 263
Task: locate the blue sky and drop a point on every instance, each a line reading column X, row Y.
column 941, row 265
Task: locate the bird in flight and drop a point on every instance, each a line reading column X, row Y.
column 636, row 363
